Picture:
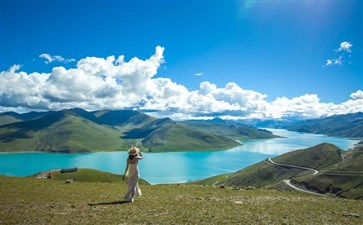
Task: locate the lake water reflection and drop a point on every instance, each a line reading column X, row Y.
column 171, row 167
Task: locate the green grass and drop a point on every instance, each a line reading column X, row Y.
column 212, row 181
column 34, row 201
column 91, row 175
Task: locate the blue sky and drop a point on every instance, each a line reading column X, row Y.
column 274, row 48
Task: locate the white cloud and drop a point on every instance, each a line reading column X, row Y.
column 329, row 62
column 337, row 61
column 344, row 49
column 357, row 95
column 55, row 58
column 113, row 83
column 198, row 74
column 345, row 46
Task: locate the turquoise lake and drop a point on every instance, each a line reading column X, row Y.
column 172, row 167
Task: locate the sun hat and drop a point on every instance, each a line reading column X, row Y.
column 133, row 151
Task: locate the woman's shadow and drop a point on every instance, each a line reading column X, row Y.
column 109, row 203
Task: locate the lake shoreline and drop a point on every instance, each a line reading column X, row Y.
column 170, row 167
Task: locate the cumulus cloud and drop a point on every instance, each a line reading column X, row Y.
column 198, row 74
column 113, row 83
column 54, row 58
column 358, row 95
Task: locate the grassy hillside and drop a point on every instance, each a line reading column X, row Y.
column 233, row 131
column 34, row 201
column 263, row 174
column 344, row 179
column 181, row 138
column 60, row 132
column 259, row 175
column 317, row 157
column 167, row 135
column 324, row 157
column 92, row 175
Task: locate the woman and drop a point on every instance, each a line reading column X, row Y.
column 133, row 178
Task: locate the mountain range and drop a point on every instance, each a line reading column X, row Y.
column 347, row 125
column 77, row 130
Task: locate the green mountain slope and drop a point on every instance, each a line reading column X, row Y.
column 344, row 179
column 62, row 131
column 326, row 158
column 168, row 135
column 234, row 131
column 181, row 138
column 317, row 157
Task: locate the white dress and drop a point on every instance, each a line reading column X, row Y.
column 133, row 185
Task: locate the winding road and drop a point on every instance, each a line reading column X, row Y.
column 288, row 181
column 293, row 166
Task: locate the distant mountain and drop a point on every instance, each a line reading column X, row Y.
column 77, row 130
column 349, row 125
column 12, row 117
column 121, row 117
column 269, row 123
column 333, row 171
column 229, row 129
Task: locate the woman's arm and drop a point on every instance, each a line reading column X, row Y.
column 127, row 166
column 140, row 156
